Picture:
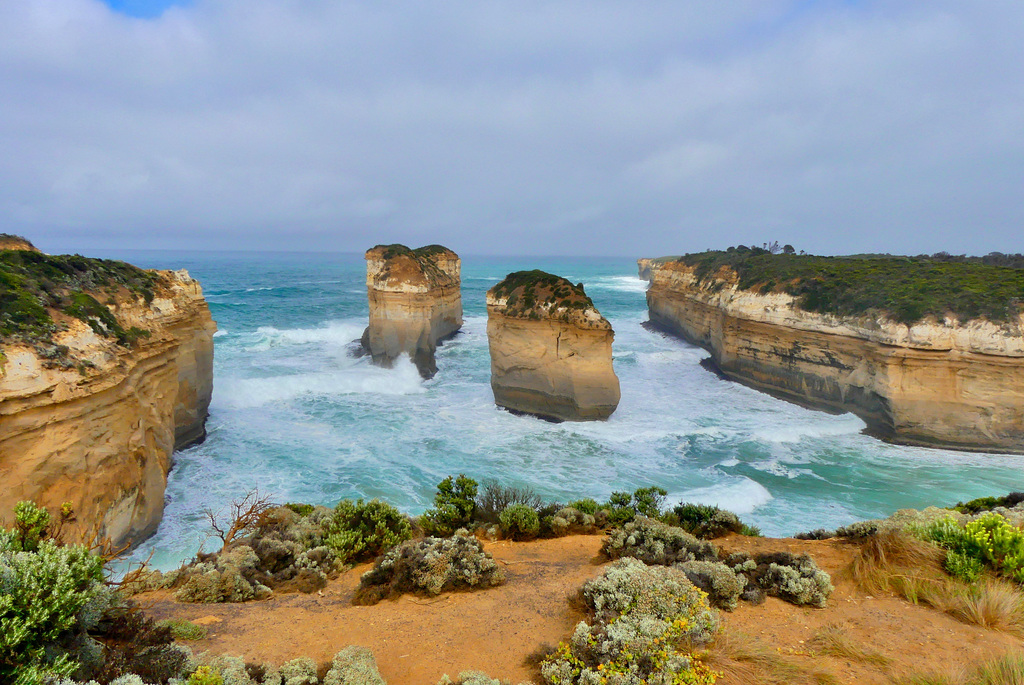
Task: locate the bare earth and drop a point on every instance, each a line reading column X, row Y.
column 416, row 640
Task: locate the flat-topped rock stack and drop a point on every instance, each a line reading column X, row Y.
column 551, row 350
column 415, row 303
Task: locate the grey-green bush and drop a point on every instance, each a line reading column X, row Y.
column 430, row 566
column 654, row 542
column 721, row 583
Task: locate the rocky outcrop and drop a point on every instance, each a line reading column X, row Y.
column 952, row 384
column 16, row 242
column 93, row 422
column 551, row 350
column 415, row 303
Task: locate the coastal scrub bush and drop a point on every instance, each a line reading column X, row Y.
column 653, row 542
column 430, row 566
column 976, row 506
column 520, row 522
column 988, row 539
column 795, row 579
column 41, row 594
column 182, row 629
column 454, row 506
column 623, row 507
column 353, row 666
column 708, row 521
column 495, row 498
column 569, row 520
column 722, row 585
column 361, row 530
column 646, row 622
column 587, row 506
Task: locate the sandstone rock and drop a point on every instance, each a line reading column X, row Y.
column 102, row 438
column 551, row 350
column 951, row 384
column 415, row 303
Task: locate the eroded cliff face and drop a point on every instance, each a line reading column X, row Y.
column 415, row 301
column 950, row 384
column 103, row 439
column 551, row 350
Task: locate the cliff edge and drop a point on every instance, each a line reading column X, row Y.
column 812, row 332
column 551, row 350
column 105, row 370
column 415, row 302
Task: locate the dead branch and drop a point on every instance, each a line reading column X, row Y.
column 243, row 516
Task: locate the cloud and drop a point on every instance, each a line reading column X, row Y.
column 534, row 127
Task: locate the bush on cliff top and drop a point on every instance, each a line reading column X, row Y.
column 906, row 288
column 526, row 291
column 32, row 283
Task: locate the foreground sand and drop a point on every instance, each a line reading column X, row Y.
column 416, row 640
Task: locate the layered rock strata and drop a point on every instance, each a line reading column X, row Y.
column 93, row 422
column 415, row 303
column 951, row 384
column 551, row 350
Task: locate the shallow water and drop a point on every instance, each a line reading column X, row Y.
column 296, row 415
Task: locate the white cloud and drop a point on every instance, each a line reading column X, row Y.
column 494, row 126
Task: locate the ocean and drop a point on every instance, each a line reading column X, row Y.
column 297, row 416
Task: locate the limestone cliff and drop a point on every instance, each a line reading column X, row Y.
column 949, row 383
column 551, row 350
column 94, row 398
column 415, row 303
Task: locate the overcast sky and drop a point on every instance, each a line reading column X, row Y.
column 597, row 127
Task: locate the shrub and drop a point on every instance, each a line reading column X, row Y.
column 646, row 622
column 41, row 594
column 204, row 675
column 494, row 498
column 654, row 542
column 623, row 507
column 587, row 506
column 454, row 505
column 430, row 566
column 722, row 585
column 568, row 520
column 353, row 666
column 520, row 522
column 963, row 566
column 795, row 579
column 361, row 530
column 988, row 539
column 976, row 506
column 707, row 521
column 184, row 630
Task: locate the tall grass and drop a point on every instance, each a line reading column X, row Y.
column 748, row 661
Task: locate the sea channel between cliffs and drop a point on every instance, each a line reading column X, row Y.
column 296, row 415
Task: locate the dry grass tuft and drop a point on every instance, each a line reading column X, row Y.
column 832, row 641
column 746, row 660
column 1004, row 670
column 911, row 568
column 994, row 604
column 892, row 553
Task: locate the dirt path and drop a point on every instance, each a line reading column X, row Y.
column 417, row 640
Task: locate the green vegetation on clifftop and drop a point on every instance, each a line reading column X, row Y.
column 526, row 293
column 33, row 284
column 905, row 288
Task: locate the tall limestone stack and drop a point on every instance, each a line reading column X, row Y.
column 551, row 350
column 415, row 303
column 949, row 383
column 105, row 370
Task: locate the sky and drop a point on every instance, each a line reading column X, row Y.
column 593, row 128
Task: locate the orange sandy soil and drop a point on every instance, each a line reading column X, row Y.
column 416, row 640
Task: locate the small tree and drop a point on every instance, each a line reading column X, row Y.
column 243, row 517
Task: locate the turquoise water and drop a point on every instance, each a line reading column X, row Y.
column 296, row 415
